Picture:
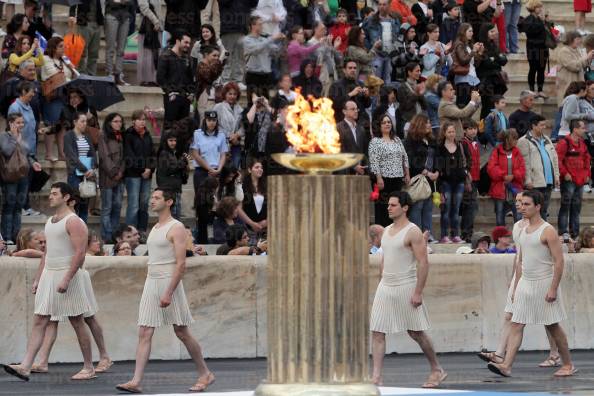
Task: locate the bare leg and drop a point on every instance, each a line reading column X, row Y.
column 426, row 345
column 49, row 146
column 60, row 139
column 552, row 343
column 516, row 333
column 560, row 338
column 378, row 350
column 193, row 348
column 51, row 333
column 35, row 341
column 504, row 335
column 97, row 332
column 9, row 11
column 143, row 352
column 84, row 341
column 579, row 19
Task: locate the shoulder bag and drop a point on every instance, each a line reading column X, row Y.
column 14, row 168
column 419, row 188
column 87, row 188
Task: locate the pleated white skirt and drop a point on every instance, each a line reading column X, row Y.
column 93, row 306
column 48, row 301
column 392, row 311
column 150, row 313
column 530, row 306
column 509, row 305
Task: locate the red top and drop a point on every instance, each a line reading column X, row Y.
column 475, row 154
column 497, row 169
column 574, row 160
column 341, row 30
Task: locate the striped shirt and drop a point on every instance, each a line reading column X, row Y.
column 83, row 146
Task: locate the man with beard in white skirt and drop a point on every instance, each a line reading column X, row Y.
column 537, row 296
column 51, row 331
column 60, row 290
column 163, row 301
column 553, row 360
column 398, row 303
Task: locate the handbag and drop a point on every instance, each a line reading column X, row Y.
column 49, row 86
column 468, row 178
column 38, row 180
column 460, row 70
column 14, row 168
column 550, row 41
column 419, row 188
column 93, row 134
column 87, row 188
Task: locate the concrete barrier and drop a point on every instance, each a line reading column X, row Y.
column 465, row 296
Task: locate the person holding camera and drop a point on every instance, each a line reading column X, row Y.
column 350, row 88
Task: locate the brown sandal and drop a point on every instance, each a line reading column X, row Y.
column 551, row 361
column 129, row 388
column 203, row 383
column 103, row 366
column 84, row 375
column 490, row 357
column 566, row 372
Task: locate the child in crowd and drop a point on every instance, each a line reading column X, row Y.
column 496, row 121
column 470, row 199
column 450, row 24
column 341, row 29
column 503, row 241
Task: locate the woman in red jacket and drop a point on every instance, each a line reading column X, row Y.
column 507, row 170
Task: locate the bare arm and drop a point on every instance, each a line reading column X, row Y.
column 77, row 230
column 38, row 274
column 419, row 248
column 176, row 235
column 28, row 253
column 552, row 241
column 518, row 270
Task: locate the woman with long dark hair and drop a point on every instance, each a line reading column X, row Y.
column 489, row 67
column 463, row 56
column 208, row 37
column 172, row 169
column 253, row 210
column 357, row 52
column 23, row 51
column 16, row 28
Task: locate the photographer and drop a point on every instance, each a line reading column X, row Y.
column 258, row 122
column 407, row 50
column 349, row 88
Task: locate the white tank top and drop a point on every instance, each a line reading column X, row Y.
column 59, row 246
column 400, row 263
column 537, row 262
column 160, row 249
column 519, row 226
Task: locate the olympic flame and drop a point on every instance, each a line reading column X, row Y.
column 311, row 127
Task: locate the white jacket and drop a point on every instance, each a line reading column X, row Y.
column 267, row 9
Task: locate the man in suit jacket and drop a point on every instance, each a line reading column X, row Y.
column 353, row 138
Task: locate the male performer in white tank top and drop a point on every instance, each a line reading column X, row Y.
column 58, row 285
column 536, row 296
column 398, row 303
column 166, row 265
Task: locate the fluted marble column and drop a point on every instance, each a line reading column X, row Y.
column 318, row 322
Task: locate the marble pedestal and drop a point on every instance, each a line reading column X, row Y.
column 318, row 322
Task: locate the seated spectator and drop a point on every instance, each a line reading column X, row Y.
column 586, row 240
column 191, row 248
column 503, row 241
column 128, row 233
column 227, row 214
column 376, row 232
column 520, row 119
column 95, row 245
column 236, row 243
column 122, row 248
column 22, row 52
column 253, row 211
column 480, row 243
column 29, row 244
column 507, row 171
column 307, row 81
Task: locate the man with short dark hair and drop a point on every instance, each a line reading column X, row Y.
column 381, row 33
column 448, row 111
column 350, row 88
column 520, row 119
column 575, row 172
column 128, row 233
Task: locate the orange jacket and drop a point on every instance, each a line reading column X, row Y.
column 401, row 8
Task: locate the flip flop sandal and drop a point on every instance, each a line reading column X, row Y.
column 103, row 366
column 203, row 384
column 433, row 384
column 16, row 371
column 129, row 388
column 497, row 370
column 84, row 375
column 489, row 357
column 567, row 374
column 551, row 361
column 39, row 369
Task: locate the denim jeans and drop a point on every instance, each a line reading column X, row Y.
column 139, row 192
column 176, row 208
column 450, row 210
column 421, row 214
column 14, row 196
column 82, row 208
column 116, row 34
column 203, row 207
column 469, row 209
column 382, row 68
column 236, row 156
column 570, row 208
column 512, row 16
column 111, row 207
column 501, row 208
column 544, row 209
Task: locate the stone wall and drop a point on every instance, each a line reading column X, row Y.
column 465, row 297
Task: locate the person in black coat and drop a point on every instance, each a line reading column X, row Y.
column 307, row 80
column 353, row 138
column 172, row 169
column 350, row 88
column 534, row 26
column 489, row 67
column 184, row 15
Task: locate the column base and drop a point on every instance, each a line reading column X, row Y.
column 317, row 389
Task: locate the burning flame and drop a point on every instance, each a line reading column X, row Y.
column 311, row 127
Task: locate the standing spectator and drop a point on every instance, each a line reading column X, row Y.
column 77, row 103
column 174, row 76
column 24, row 51
column 55, row 62
column 208, row 71
column 117, row 23
column 234, row 15
column 470, row 205
column 502, row 237
column 450, row 23
column 111, row 174
column 272, row 13
column 229, row 115
column 297, row 50
column 327, row 56
column 570, row 107
column 184, row 15
column 507, row 172
column 411, row 93
column 88, row 15
column 571, row 63
column 496, row 121
column 581, row 8
column 257, row 51
column 353, row 139
column 172, row 169
column 541, row 161
column 39, row 23
column 357, row 51
column 478, row 12
column 388, row 163
column 382, row 27
column 258, row 124
column 520, row 119
column 80, row 160
column 284, row 88
column 16, row 28
column 350, row 88
column 140, row 165
column 14, row 194
column 407, row 51
column 575, row 172
column 9, row 92
column 309, row 83
column 512, row 10
column 420, row 149
column 586, row 106
column 450, row 112
column 423, row 11
column 208, row 38
column 432, row 101
column 463, row 56
column 22, row 106
column 534, row 25
column 402, row 9
column 451, row 161
column 489, row 68
column 387, row 103
column 434, row 53
column 149, row 41
column 341, row 29
column 253, row 211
